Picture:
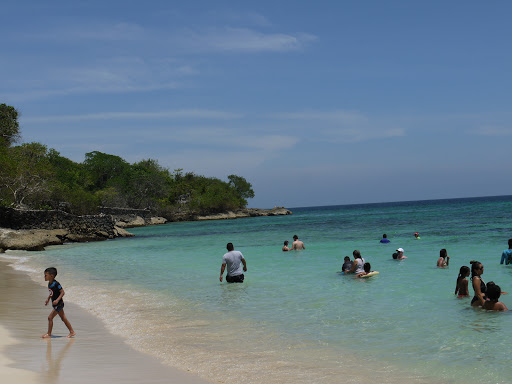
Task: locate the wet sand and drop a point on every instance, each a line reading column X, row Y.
column 94, row 356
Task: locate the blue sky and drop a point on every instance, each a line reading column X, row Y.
column 313, row 102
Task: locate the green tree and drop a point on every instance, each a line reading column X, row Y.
column 242, row 187
column 26, row 173
column 104, row 170
column 9, row 126
column 147, row 183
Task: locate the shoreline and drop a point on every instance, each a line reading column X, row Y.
column 94, row 356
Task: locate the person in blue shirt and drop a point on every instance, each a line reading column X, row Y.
column 506, row 256
column 384, row 239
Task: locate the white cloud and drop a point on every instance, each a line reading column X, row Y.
column 492, row 131
column 171, row 114
column 241, row 40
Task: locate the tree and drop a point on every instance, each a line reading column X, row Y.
column 147, row 182
column 104, row 169
column 9, row 126
column 242, row 187
column 25, row 172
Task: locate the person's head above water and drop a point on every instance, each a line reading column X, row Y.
column 230, row 247
column 400, row 250
column 356, row 254
column 384, row 236
column 493, row 291
column 509, row 243
column 346, row 258
column 295, row 237
column 416, row 234
column 367, row 267
column 476, row 268
column 286, row 242
column 443, row 253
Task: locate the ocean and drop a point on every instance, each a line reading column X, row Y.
column 295, row 319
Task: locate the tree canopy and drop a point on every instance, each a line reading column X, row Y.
column 9, row 126
column 31, row 175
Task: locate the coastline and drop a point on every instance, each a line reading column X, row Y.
column 94, row 356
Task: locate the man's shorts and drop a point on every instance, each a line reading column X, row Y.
column 59, row 307
column 235, row 279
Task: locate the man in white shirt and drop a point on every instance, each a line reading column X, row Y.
column 233, row 260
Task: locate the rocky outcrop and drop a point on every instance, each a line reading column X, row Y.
column 38, row 239
column 33, row 230
column 130, row 218
column 247, row 212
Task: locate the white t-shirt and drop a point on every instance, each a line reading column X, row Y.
column 360, row 265
column 233, row 259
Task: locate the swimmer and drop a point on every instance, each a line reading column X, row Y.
column 285, row 247
column 417, row 235
column 400, row 254
column 477, row 269
column 384, row 239
column 367, row 269
column 444, row 259
column 358, row 265
column 493, row 294
column 347, row 265
column 297, row 244
column 506, row 256
column 462, row 283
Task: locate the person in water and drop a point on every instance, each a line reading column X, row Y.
column 358, row 265
column 347, row 264
column 233, row 260
column 367, row 269
column 477, row 269
column 444, row 259
column 400, row 254
column 506, row 256
column 417, row 235
column 297, row 244
column 384, row 239
column 493, row 294
column 285, row 247
column 461, row 288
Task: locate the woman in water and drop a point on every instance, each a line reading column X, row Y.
column 358, row 266
column 477, row 269
column 444, row 259
column 462, row 283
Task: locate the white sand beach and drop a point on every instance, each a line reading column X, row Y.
column 94, row 356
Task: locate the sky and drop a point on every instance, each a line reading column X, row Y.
column 313, row 102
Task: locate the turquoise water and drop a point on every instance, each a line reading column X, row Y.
column 295, row 319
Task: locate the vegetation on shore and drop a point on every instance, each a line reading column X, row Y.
column 34, row 176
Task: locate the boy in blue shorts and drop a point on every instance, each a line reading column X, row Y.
column 56, row 294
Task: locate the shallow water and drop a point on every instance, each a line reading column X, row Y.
column 295, row 319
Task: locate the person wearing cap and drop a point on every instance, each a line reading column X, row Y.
column 400, row 252
column 417, row 235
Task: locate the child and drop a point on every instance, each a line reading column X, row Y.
column 347, row 265
column 462, row 283
column 56, row 294
column 285, row 247
column 367, row 269
column 493, row 294
column 444, row 259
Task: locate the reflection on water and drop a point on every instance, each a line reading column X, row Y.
column 54, row 360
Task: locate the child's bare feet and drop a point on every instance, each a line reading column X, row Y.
column 46, row 336
column 72, row 334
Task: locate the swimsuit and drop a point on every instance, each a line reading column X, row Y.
column 483, row 289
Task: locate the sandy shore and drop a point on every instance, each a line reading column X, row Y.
column 94, row 356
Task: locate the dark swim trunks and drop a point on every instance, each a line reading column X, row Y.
column 59, row 307
column 235, row 279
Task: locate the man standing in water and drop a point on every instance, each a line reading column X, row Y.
column 233, row 259
column 297, row 244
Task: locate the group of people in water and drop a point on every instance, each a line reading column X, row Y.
column 297, row 245
column 486, row 295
